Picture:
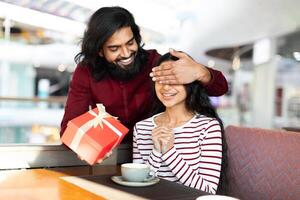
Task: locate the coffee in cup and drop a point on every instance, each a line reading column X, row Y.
column 135, row 172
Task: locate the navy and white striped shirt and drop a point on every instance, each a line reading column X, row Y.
column 194, row 160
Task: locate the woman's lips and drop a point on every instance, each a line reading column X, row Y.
column 168, row 96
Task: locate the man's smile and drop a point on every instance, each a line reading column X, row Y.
column 127, row 61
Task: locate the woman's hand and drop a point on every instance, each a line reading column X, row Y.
column 163, row 138
column 183, row 71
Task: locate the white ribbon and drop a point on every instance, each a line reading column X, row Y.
column 98, row 120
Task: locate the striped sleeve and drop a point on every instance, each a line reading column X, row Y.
column 154, row 161
column 136, row 155
column 143, row 151
column 206, row 178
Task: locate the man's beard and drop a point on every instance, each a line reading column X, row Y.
column 127, row 73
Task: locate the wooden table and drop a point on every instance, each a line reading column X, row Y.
column 36, row 184
column 40, row 184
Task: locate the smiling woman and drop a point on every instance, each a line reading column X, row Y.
column 183, row 142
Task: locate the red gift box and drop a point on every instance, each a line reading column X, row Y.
column 93, row 134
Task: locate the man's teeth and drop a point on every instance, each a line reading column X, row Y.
column 126, row 61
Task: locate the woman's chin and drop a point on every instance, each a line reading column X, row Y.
column 168, row 104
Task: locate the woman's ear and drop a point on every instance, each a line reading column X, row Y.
column 100, row 53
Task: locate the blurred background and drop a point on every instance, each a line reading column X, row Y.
column 256, row 44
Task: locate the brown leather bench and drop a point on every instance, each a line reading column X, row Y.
column 263, row 164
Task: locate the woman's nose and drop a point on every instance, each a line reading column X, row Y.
column 166, row 86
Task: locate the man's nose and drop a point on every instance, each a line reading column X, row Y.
column 125, row 52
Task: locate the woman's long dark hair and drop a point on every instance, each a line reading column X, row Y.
column 101, row 26
column 197, row 101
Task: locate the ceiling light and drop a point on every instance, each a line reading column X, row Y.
column 40, row 19
column 296, row 55
column 211, row 63
column 61, row 67
column 236, row 63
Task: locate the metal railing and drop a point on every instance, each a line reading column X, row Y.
column 51, row 99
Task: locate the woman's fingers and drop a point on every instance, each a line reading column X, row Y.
column 163, row 138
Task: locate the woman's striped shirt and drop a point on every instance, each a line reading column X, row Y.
column 194, row 160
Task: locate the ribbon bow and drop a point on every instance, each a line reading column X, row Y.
column 99, row 118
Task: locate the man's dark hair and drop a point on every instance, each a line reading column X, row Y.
column 101, row 26
column 197, row 101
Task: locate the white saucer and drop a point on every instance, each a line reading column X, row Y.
column 121, row 181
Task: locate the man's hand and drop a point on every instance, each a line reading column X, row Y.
column 106, row 156
column 183, row 71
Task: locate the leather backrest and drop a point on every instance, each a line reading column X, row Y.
column 263, row 164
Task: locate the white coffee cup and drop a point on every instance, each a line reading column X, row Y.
column 135, row 172
column 216, row 197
